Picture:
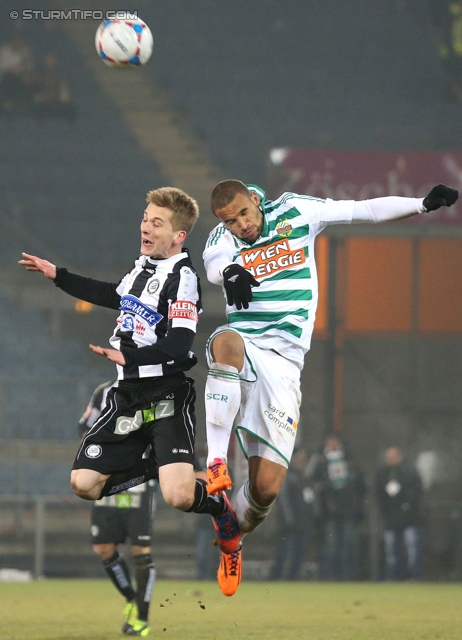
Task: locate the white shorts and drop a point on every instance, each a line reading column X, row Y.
column 270, row 402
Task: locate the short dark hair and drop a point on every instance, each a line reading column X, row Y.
column 225, row 192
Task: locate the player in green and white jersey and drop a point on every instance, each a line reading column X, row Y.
column 262, row 254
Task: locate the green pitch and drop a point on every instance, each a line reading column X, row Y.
column 91, row 610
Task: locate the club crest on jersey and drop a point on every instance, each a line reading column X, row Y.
column 132, row 304
column 284, row 228
column 153, row 285
column 140, row 329
column 93, row 451
column 127, row 323
column 271, row 259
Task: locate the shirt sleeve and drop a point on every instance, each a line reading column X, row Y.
column 218, row 253
column 175, row 345
column 321, row 213
column 103, row 294
column 386, row 209
column 184, row 303
column 318, row 213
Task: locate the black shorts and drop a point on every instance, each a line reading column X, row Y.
column 132, row 518
column 150, row 411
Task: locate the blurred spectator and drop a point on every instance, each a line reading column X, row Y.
column 446, row 18
column 399, row 493
column 295, row 518
column 16, row 75
column 340, row 496
column 52, row 97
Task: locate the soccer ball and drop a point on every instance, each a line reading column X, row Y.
column 124, row 43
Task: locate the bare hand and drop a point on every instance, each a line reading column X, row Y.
column 32, row 263
column 111, row 354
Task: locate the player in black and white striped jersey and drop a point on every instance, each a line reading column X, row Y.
column 159, row 301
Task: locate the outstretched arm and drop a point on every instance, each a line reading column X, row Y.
column 103, row 294
column 175, row 345
column 396, row 207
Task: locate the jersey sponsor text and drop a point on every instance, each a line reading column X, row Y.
column 183, row 309
column 276, row 257
column 134, row 305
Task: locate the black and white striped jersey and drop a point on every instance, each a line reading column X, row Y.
column 95, row 406
column 155, row 297
column 159, row 303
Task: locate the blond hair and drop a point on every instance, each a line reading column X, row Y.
column 185, row 209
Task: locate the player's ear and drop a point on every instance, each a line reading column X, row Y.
column 255, row 198
column 179, row 237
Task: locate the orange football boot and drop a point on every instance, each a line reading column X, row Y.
column 218, row 478
column 230, row 572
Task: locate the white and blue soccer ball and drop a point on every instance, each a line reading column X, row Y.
column 124, row 43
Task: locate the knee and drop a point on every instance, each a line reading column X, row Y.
column 104, row 551
column 263, row 495
column 179, row 498
column 263, row 488
column 177, row 484
column 228, row 348
column 83, row 485
column 140, row 551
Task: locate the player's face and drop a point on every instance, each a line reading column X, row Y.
column 243, row 217
column 158, row 239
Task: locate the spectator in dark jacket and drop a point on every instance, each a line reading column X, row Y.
column 340, row 495
column 399, row 493
column 16, row 75
column 295, row 518
column 52, row 97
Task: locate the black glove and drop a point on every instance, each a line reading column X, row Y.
column 238, row 283
column 440, row 196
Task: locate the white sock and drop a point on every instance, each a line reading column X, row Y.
column 249, row 514
column 222, row 401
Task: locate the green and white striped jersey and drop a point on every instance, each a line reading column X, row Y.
column 282, row 311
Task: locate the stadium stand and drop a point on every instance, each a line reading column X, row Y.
column 79, row 189
column 48, row 370
column 288, row 82
column 43, row 389
column 325, row 74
